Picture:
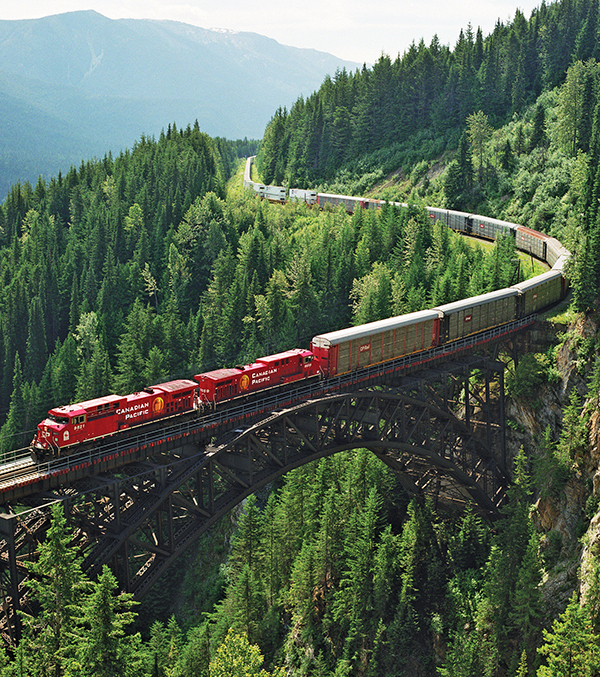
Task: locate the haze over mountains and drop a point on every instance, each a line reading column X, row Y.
column 79, row 84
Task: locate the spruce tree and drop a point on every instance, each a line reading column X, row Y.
column 571, row 648
column 11, row 433
column 57, row 585
column 102, row 647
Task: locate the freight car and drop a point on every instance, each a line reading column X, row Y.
column 340, row 352
column 350, row 204
column 539, row 292
column 271, row 193
column 301, row 195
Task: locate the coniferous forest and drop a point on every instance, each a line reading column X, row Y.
column 156, row 264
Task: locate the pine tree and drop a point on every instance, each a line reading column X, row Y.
column 35, row 349
column 479, row 130
column 12, row 432
column 574, row 433
column 246, row 546
column 134, row 346
column 527, row 606
column 102, row 648
column 571, row 648
column 195, row 654
column 57, row 585
column 237, row 657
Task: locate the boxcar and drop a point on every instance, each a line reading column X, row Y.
column 539, row 292
column 554, row 251
column 301, row 195
column 532, row 242
column 275, row 193
column 484, row 226
column 340, row 352
column 469, row 316
column 561, row 264
column 349, row 203
column 459, row 221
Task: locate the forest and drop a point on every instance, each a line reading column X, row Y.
column 156, row 264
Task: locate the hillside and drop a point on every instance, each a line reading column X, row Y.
column 78, row 85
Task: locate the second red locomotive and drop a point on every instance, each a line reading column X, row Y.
column 266, row 372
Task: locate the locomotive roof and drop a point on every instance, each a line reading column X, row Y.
column 351, row 333
column 88, row 404
column 281, row 356
column 178, row 384
column 218, row 374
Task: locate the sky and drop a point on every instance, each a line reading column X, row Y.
column 354, row 30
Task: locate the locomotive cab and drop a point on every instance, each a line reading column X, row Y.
column 51, row 432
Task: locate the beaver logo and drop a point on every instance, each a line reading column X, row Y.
column 244, row 382
column 158, row 405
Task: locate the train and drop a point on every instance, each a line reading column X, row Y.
column 542, row 246
column 69, row 428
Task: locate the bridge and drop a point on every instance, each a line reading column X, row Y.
column 436, row 419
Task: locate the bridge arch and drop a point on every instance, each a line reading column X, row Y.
column 162, row 508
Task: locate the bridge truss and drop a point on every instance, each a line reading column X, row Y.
column 441, row 430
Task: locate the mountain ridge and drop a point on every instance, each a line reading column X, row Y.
column 101, row 83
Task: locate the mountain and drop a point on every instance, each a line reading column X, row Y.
column 79, row 84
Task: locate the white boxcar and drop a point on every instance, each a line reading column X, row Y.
column 301, row 195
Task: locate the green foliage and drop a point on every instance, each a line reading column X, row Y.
column 574, row 433
column 103, row 650
column 524, row 381
column 552, row 469
column 58, row 586
column 571, row 648
column 236, row 657
column 79, row 628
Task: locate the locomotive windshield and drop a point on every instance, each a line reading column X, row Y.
column 58, row 419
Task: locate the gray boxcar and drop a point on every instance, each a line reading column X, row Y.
column 462, row 318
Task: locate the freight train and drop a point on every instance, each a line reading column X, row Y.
column 332, row 354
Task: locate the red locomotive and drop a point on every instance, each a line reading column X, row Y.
column 73, row 424
column 266, row 372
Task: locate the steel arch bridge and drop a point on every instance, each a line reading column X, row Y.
column 141, row 517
